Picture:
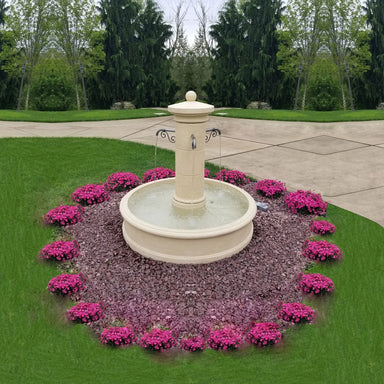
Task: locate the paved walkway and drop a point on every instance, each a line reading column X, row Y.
column 342, row 161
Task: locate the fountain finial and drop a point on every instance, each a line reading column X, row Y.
column 191, row 96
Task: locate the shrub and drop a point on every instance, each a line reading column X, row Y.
column 117, row 336
column 321, row 250
column 264, row 334
column 193, row 344
column 322, row 227
column 121, row 181
column 64, row 215
column 86, row 312
column 157, row 174
column 314, row 284
column 66, row 284
column 158, row 340
column 224, row 339
column 232, row 177
column 90, row 194
column 60, row 250
column 270, row 188
column 306, row 202
column 295, row 313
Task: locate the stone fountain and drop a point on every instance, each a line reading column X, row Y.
column 188, row 219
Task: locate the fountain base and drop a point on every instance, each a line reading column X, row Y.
column 155, row 228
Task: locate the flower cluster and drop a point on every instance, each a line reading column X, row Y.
column 158, row 340
column 224, row 339
column 60, row 250
column 315, row 284
column 64, row 215
column 321, row 250
column 232, row 177
column 117, row 336
column 90, row 194
column 193, row 344
column 121, row 181
column 270, row 188
column 86, row 312
column 66, row 284
column 158, row 173
column 306, row 202
column 206, row 172
column 295, row 313
column 264, row 334
column 322, row 227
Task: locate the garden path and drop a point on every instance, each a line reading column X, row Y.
column 342, row 161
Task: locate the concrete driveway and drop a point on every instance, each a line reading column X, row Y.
column 342, row 161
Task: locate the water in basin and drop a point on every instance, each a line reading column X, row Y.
column 153, row 205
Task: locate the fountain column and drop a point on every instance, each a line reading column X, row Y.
column 190, row 120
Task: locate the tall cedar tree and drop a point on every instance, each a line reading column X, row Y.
column 226, row 88
column 375, row 76
column 119, row 78
column 155, row 87
column 259, row 67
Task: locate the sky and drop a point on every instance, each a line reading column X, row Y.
column 191, row 21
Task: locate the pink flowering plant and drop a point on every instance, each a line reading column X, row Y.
column 90, row 194
column 158, row 173
column 121, row 181
column 270, row 188
column 314, row 284
column 224, row 339
column 233, row 177
column 296, row 313
column 264, row 334
column 86, row 312
column 64, row 215
column 206, row 172
column 306, row 202
column 158, row 340
column 322, row 227
column 66, row 284
column 117, row 336
column 60, row 250
column 193, row 344
column 321, row 250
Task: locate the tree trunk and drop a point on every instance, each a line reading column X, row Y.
column 304, row 96
column 27, row 96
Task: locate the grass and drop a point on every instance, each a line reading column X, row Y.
column 69, row 116
column 345, row 344
column 310, row 116
column 274, row 114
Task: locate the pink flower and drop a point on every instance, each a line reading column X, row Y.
column 264, row 334
column 158, row 173
column 60, row 250
column 233, row 177
column 90, row 194
column 121, row 181
column 66, row 284
column 224, row 339
column 322, row 227
column 270, row 188
column 117, row 336
column 158, row 340
column 314, row 284
column 321, row 250
column 295, row 313
column 64, row 215
column 86, row 312
column 306, row 202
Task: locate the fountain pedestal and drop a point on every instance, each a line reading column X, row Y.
column 188, row 219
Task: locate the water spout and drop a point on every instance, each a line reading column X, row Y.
column 193, row 142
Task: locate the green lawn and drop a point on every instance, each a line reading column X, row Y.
column 345, row 345
column 277, row 114
column 312, row 116
column 68, row 116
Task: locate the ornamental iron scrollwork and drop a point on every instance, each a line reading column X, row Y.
column 213, row 132
column 165, row 134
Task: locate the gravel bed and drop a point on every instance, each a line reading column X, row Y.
column 190, row 299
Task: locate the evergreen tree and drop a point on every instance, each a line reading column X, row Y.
column 375, row 76
column 226, row 87
column 155, row 87
column 259, row 67
column 119, row 78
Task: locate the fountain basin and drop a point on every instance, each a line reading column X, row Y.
column 156, row 228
